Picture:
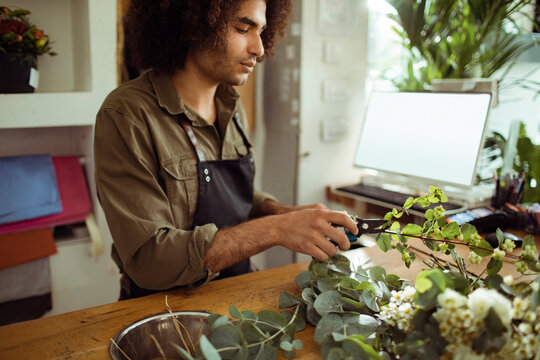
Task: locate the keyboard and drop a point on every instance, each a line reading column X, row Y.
column 392, row 197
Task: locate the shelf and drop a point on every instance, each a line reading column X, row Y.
column 73, row 84
column 48, row 109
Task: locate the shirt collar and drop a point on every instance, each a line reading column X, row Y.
column 168, row 97
column 166, row 94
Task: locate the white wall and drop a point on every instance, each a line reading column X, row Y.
column 331, row 64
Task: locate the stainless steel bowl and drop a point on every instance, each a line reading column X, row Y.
column 137, row 343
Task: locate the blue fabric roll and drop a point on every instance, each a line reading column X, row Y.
column 28, row 188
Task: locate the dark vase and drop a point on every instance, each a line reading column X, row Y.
column 14, row 76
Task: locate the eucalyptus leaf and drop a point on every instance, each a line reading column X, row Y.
column 328, row 283
column 319, row 269
column 208, row 349
column 286, row 300
column 327, row 302
column 235, row 313
column 370, row 301
column 182, row 352
column 303, row 279
column 285, row 345
column 313, row 315
column 328, row 324
column 263, row 352
column 270, row 321
column 220, row 321
column 308, row 294
column 377, row 273
column 248, row 314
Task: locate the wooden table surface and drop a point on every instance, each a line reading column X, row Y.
column 87, row 333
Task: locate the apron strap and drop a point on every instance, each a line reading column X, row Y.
column 240, row 127
column 189, row 130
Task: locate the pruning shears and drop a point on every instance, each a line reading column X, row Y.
column 365, row 226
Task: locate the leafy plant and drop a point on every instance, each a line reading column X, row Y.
column 452, row 39
column 247, row 335
column 20, row 37
column 366, row 313
column 528, row 153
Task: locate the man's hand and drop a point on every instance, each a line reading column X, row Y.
column 309, row 230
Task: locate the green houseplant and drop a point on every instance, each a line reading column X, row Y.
column 21, row 42
column 457, row 39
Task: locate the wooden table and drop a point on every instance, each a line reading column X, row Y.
column 86, row 333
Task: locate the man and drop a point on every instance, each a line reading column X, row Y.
column 174, row 169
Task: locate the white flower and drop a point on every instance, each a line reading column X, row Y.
column 508, row 280
column 530, row 316
column 503, row 307
column 481, row 300
column 409, row 292
column 525, row 328
column 451, row 299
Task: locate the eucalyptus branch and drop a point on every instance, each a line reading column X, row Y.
column 270, row 338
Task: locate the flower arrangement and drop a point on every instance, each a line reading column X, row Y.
column 365, row 313
column 22, row 38
column 446, row 314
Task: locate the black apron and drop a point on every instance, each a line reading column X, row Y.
column 225, row 198
column 225, row 191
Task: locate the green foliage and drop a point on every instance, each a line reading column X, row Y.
column 457, row 38
column 350, row 307
column 528, row 155
column 246, row 335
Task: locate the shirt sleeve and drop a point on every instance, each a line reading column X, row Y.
column 152, row 251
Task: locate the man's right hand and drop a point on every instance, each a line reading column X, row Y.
column 308, row 231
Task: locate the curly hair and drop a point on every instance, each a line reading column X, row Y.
column 160, row 33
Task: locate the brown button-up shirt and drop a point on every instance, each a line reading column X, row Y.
column 146, row 176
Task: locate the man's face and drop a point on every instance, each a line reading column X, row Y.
column 243, row 46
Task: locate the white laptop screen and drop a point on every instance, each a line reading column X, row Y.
column 426, row 135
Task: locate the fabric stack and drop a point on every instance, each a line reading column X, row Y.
column 37, row 193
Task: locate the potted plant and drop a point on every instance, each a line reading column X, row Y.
column 21, row 42
column 458, row 39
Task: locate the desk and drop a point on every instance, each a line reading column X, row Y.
column 86, row 333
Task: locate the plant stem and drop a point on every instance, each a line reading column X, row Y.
column 455, row 242
column 268, row 338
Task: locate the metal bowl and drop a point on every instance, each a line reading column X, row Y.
column 136, row 341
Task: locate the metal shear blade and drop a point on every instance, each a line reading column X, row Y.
column 369, row 226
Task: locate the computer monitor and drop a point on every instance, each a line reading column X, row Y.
column 430, row 138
